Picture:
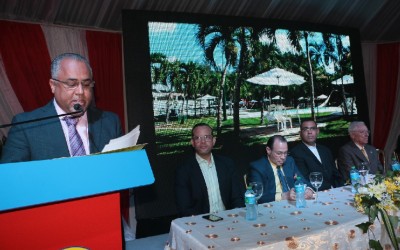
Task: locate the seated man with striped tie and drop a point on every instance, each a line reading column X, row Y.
column 86, row 131
column 277, row 172
column 358, row 150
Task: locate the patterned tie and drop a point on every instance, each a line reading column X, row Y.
column 75, row 141
column 285, row 186
column 364, row 153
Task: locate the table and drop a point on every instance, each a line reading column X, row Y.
column 329, row 224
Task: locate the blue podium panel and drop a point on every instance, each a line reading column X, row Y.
column 38, row 182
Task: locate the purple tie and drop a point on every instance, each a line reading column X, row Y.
column 75, row 141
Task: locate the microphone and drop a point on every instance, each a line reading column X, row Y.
column 77, row 107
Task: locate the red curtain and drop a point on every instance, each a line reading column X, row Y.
column 387, row 75
column 105, row 55
column 27, row 62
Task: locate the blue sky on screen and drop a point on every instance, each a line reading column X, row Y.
column 178, row 42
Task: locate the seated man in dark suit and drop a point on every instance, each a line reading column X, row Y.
column 278, row 184
column 205, row 182
column 73, row 135
column 312, row 157
column 358, row 150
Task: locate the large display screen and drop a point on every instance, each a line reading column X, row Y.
column 247, row 78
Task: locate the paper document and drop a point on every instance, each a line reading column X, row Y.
column 125, row 141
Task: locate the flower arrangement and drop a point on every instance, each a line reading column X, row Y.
column 381, row 196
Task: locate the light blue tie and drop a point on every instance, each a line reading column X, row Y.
column 75, row 141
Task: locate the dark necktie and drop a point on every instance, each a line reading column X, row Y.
column 75, row 141
column 284, row 184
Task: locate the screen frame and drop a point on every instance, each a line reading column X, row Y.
column 138, row 89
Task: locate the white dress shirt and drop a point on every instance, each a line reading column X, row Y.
column 210, row 176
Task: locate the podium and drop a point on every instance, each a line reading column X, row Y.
column 68, row 202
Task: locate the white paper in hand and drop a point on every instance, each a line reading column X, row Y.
column 125, row 141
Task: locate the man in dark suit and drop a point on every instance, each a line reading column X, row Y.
column 358, row 150
column 277, row 186
column 71, row 83
column 312, row 157
column 206, row 182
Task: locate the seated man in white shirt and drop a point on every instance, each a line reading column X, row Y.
column 312, row 157
column 205, row 182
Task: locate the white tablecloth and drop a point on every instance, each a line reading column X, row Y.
column 329, row 224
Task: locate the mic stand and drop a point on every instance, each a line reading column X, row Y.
column 39, row 119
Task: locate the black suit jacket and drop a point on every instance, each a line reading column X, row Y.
column 45, row 139
column 307, row 162
column 191, row 191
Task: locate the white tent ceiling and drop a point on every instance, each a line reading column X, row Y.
column 377, row 20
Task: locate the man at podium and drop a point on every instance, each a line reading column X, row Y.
column 69, row 125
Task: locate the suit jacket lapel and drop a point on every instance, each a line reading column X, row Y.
column 359, row 154
column 199, row 176
column 94, row 131
column 57, row 133
column 322, row 155
column 308, row 152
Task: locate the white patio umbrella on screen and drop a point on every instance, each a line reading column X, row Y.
column 277, row 77
column 342, row 81
column 206, row 100
column 347, row 79
column 207, row 97
column 278, row 97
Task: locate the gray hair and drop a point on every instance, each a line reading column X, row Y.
column 354, row 125
column 56, row 63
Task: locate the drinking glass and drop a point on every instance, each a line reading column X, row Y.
column 258, row 190
column 363, row 169
column 316, row 179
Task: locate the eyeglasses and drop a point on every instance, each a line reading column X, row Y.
column 280, row 153
column 206, row 138
column 363, row 132
column 309, row 129
column 73, row 84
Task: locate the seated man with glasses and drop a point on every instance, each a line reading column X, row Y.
column 277, row 172
column 358, row 150
column 311, row 156
column 206, row 182
column 86, row 131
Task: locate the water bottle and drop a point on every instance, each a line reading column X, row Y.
column 300, row 189
column 395, row 164
column 250, row 201
column 355, row 178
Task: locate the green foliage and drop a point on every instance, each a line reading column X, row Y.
column 374, row 244
column 364, row 226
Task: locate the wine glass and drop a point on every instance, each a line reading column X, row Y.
column 258, row 190
column 363, row 169
column 316, row 179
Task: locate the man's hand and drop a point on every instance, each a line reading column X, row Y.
column 309, row 195
column 291, row 195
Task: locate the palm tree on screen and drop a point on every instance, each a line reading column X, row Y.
column 340, row 56
column 295, row 36
column 212, row 37
column 165, row 73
